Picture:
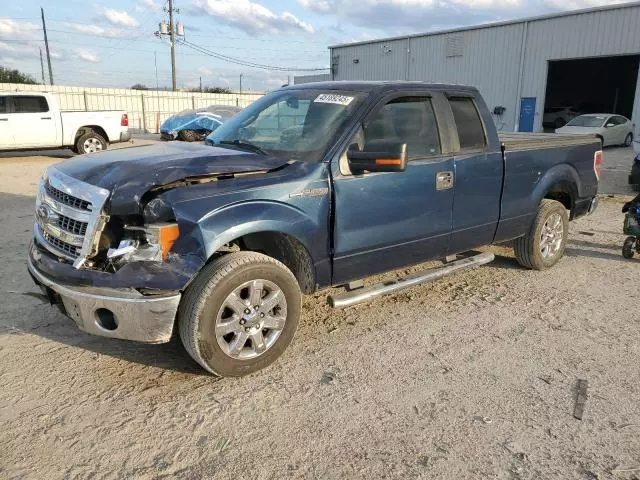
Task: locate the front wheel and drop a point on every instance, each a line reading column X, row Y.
column 189, row 136
column 544, row 244
column 628, row 140
column 628, row 247
column 240, row 313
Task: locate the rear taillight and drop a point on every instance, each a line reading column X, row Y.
column 124, row 121
column 597, row 163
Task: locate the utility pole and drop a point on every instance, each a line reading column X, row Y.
column 173, row 45
column 200, row 84
column 46, row 46
column 155, row 59
column 42, row 67
column 240, row 83
column 172, row 30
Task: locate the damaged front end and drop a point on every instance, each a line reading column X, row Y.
column 112, row 254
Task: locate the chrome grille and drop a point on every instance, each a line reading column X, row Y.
column 67, row 199
column 74, row 226
column 69, row 217
column 63, row 247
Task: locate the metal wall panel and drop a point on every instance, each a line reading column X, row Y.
column 594, row 34
column 489, row 60
column 385, row 60
column 320, row 77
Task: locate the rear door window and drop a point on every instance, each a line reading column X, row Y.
column 470, row 129
column 30, row 104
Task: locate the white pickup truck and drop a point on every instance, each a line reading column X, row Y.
column 33, row 121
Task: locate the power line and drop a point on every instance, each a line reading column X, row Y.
column 236, row 61
column 318, row 54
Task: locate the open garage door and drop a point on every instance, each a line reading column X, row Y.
column 589, row 85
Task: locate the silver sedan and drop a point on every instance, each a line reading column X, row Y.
column 612, row 129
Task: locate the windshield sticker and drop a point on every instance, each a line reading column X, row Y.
column 331, row 98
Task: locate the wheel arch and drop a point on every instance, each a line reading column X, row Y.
column 91, row 128
column 281, row 231
column 560, row 183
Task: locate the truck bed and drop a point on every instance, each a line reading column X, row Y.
column 539, row 141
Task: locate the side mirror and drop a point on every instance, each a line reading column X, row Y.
column 379, row 156
column 609, row 125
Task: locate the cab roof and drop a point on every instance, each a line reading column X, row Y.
column 370, row 86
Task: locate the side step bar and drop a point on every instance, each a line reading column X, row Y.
column 365, row 294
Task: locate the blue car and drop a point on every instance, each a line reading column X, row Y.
column 195, row 125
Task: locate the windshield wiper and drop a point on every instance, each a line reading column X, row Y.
column 246, row 145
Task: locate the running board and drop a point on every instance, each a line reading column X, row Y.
column 368, row 293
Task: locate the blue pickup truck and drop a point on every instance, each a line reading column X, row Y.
column 311, row 186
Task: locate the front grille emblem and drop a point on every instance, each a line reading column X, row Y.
column 46, row 215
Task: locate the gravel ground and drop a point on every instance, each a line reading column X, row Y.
column 473, row 376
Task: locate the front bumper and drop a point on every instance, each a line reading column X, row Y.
column 113, row 312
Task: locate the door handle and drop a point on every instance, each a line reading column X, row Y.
column 444, row 180
column 45, row 118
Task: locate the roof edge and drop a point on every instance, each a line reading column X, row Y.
column 503, row 23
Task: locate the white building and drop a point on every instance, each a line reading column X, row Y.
column 575, row 62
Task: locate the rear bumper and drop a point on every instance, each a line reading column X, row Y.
column 585, row 207
column 634, row 176
column 125, row 136
column 112, row 312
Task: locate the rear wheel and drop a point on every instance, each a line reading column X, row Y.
column 90, row 142
column 240, row 313
column 628, row 247
column 545, row 242
column 628, row 140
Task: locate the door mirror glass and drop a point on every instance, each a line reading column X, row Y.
column 609, row 125
column 378, row 156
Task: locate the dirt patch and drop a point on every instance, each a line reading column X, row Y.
column 473, row 376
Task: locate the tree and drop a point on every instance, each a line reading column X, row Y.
column 139, row 86
column 15, row 76
column 216, row 90
column 211, row 90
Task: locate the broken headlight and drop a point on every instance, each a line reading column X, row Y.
column 150, row 243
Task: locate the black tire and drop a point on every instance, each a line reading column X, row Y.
column 189, row 136
column 527, row 248
column 90, row 137
column 628, row 140
column 628, row 247
column 205, row 297
column 601, row 138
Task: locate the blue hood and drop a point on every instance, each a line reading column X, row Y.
column 128, row 173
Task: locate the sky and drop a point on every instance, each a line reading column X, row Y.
column 113, row 43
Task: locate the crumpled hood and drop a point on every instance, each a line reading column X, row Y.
column 128, row 173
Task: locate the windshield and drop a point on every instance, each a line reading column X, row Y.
column 587, row 121
column 291, row 124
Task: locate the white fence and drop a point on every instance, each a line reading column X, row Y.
column 147, row 109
